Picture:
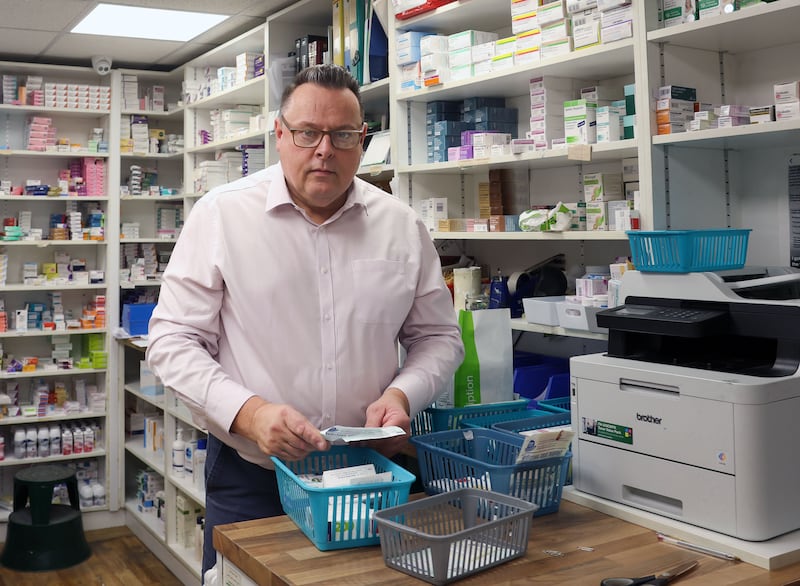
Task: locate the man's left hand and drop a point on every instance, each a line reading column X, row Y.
column 391, row 409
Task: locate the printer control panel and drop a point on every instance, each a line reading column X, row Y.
column 672, row 314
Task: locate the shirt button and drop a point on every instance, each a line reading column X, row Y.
column 330, row 366
column 326, row 317
column 324, row 270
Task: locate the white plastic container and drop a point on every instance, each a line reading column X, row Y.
column 542, row 310
column 31, row 443
column 572, row 316
column 55, row 440
column 98, row 494
column 66, row 442
column 19, row 443
column 178, row 453
column 86, row 495
column 44, row 442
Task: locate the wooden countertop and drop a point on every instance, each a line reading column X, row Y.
column 275, row 552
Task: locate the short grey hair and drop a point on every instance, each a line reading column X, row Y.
column 329, row 76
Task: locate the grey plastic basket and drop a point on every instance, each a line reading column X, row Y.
column 452, row 535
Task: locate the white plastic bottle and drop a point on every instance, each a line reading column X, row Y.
column 199, row 464
column 19, row 443
column 86, row 495
column 31, row 441
column 88, row 439
column 66, row 441
column 77, row 440
column 44, row 442
column 55, row 440
column 98, row 435
column 188, row 459
column 98, row 494
column 178, row 453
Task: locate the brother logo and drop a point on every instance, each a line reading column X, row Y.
column 648, row 418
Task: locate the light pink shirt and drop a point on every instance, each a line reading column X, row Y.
column 257, row 299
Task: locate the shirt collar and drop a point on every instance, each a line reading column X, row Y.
column 278, row 195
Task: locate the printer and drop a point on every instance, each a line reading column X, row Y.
column 694, row 411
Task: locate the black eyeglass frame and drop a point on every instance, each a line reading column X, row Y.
column 322, row 134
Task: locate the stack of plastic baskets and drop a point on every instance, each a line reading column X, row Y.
column 446, row 418
column 341, row 517
column 486, row 458
column 557, row 405
column 450, row 536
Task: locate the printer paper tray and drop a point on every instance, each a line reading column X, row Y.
column 687, row 493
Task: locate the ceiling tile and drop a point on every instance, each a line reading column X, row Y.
column 120, row 50
column 46, row 15
column 22, row 42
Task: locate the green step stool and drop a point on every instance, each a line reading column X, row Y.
column 44, row 536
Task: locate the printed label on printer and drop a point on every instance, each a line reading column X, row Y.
column 605, row 430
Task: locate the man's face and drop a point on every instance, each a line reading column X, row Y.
column 318, row 177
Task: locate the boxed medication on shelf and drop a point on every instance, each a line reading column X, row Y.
column 710, row 8
column 612, row 207
column 468, row 38
column 616, row 24
column 761, row 114
column 523, row 6
column 501, row 62
column 527, row 57
column 526, row 21
column 602, row 187
column 586, row 29
column 557, row 48
column 433, row 44
column 551, row 12
column 596, row 217
column 787, row 92
column 787, row 110
column 574, row 6
column 529, row 40
column 556, row 30
column 408, row 47
column 675, row 12
column 483, row 51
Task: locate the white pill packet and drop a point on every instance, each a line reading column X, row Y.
column 340, row 434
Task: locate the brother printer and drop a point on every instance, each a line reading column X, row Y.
column 694, row 411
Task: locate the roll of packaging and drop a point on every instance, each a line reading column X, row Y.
column 466, row 281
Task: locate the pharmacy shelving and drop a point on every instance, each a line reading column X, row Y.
column 736, row 176
column 160, row 535
column 520, row 325
column 73, row 127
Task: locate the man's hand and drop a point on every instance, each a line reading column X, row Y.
column 279, row 430
column 391, row 409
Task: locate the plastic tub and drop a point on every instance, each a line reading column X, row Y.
column 685, row 251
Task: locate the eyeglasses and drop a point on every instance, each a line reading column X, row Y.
column 309, row 138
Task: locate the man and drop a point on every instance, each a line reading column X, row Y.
column 284, row 300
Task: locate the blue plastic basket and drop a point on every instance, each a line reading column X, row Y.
column 334, row 518
column 485, row 458
column 446, row 418
column 488, row 420
column 685, row 251
column 517, row 426
column 557, row 405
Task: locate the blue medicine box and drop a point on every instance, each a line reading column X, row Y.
column 136, row 316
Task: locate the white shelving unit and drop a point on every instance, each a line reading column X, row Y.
column 16, row 166
column 159, row 533
column 733, row 177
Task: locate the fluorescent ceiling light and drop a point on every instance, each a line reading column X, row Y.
column 114, row 20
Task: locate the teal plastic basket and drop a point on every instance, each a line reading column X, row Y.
column 446, row 418
column 686, row 251
column 486, row 458
column 340, row 518
column 487, row 421
column 557, row 405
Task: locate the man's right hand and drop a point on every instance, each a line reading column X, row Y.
column 278, row 429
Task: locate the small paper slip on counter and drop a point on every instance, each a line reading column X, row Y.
column 339, row 517
column 453, row 535
column 487, row 459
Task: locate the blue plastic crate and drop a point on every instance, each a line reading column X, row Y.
column 557, row 386
column 487, row 421
column 531, row 381
column 517, row 426
column 136, row 317
column 334, row 518
column 485, row 458
column 685, row 251
column 447, row 418
column 557, row 405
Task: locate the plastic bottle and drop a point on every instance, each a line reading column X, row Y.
column 2, row 447
column 44, row 442
column 31, row 441
column 199, row 464
column 19, row 443
column 178, row 453
column 98, row 435
column 188, row 460
column 86, row 495
column 66, row 441
column 55, row 440
column 198, row 537
column 88, row 439
column 77, row 440
column 98, row 494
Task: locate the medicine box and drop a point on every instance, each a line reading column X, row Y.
column 149, row 383
column 136, row 316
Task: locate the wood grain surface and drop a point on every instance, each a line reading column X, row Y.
column 592, row 545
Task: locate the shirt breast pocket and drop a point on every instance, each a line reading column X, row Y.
column 383, row 291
